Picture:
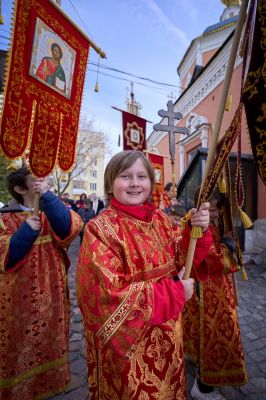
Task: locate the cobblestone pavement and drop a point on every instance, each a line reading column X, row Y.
column 252, row 317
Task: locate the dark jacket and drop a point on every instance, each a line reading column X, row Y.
column 86, row 214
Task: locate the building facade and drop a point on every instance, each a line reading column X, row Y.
column 202, row 71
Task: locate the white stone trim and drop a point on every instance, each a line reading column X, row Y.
column 209, row 79
column 206, row 82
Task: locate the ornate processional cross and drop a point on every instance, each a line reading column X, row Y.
column 172, row 130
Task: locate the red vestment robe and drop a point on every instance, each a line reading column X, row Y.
column 34, row 313
column 131, row 310
column 211, row 330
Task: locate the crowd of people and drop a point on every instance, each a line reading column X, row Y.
column 140, row 315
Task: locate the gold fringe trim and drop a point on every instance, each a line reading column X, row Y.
column 246, row 221
column 244, row 274
column 1, row 20
column 196, row 232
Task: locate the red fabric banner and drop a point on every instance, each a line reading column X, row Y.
column 160, row 199
column 254, row 88
column 134, row 132
column 43, row 92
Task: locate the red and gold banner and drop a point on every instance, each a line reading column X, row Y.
column 45, row 78
column 158, row 195
column 134, row 132
column 254, row 88
column 223, row 153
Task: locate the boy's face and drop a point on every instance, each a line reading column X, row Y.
column 132, row 186
column 28, row 190
column 30, row 182
column 175, row 220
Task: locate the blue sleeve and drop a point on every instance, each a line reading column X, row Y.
column 20, row 243
column 57, row 213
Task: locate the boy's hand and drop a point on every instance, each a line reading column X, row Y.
column 34, row 222
column 41, row 186
column 201, row 217
column 187, row 283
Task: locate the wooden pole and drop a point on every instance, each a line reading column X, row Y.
column 235, row 288
column 36, row 206
column 173, row 178
column 218, row 121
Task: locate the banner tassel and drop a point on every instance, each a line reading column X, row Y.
column 1, row 16
column 96, row 89
column 246, row 221
column 196, row 232
column 244, row 274
column 222, row 186
column 228, row 103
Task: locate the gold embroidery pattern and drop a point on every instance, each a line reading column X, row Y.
column 43, row 239
column 158, row 348
column 116, row 320
column 254, row 90
column 4, row 383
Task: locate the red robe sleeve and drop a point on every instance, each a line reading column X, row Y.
column 168, row 302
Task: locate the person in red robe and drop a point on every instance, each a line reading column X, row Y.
column 211, row 329
column 177, row 212
column 129, row 290
column 34, row 301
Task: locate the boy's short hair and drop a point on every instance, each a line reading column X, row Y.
column 177, row 210
column 168, row 186
column 17, row 178
column 120, row 162
column 87, row 201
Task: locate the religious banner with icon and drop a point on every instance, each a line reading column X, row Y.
column 160, row 199
column 134, row 132
column 254, row 88
column 43, row 89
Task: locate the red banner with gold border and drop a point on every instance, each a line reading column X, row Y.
column 254, row 88
column 134, row 132
column 160, row 199
column 45, row 78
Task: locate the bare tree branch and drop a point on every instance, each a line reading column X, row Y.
column 91, row 146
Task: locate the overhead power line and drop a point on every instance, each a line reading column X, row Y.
column 116, row 69
column 135, row 76
column 161, row 90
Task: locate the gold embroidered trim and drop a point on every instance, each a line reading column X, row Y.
column 117, row 318
column 155, row 273
column 4, row 383
column 43, row 239
column 5, row 242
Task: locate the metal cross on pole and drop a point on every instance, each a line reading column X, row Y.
column 171, row 129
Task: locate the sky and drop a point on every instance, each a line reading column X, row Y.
column 146, row 38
